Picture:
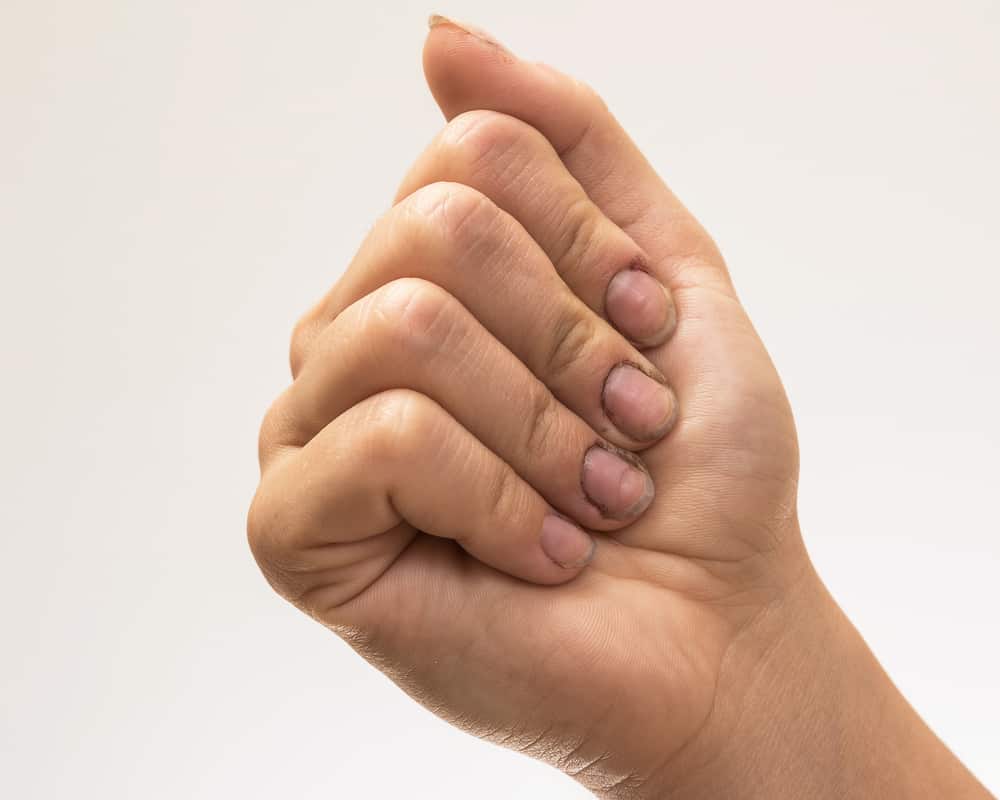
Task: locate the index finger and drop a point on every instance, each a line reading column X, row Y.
column 468, row 70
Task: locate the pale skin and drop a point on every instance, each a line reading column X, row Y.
column 446, row 483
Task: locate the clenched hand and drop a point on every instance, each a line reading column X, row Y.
column 536, row 465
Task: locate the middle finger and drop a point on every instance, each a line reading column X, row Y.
column 518, row 169
column 456, row 237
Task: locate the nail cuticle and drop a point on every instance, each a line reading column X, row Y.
column 639, row 265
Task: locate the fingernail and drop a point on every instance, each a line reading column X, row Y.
column 614, row 481
column 639, row 406
column 640, row 307
column 472, row 30
column 566, row 544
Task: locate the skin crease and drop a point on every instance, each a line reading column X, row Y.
column 697, row 654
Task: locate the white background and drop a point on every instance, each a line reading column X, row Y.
column 180, row 180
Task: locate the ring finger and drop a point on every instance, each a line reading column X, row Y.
column 411, row 334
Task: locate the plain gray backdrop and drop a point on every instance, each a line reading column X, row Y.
column 180, row 180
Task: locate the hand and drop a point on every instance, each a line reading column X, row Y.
column 459, row 381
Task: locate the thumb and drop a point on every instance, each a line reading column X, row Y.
column 466, row 68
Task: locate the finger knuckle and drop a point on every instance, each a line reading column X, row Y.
column 488, row 142
column 572, row 339
column 274, row 428
column 256, row 526
column 267, row 533
column 398, row 423
column 591, row 98
column 462, row 216
column 417, row 317
column 505, row 496
column 276, row 541
column 578, row 233
column 302, row 335
column 542, row 425
column 588, row 107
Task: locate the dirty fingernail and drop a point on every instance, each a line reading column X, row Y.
column 640, row 307
column 619, row 488
column 638, row 405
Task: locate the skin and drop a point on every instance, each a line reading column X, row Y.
column 539, row 334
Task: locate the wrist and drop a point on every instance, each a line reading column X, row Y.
column 803, row 709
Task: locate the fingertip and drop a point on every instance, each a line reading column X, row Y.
column 463, row 65
column 640, row 405
column 616, row 482
column 451, row 51
column 565, row 544
column 640, row 307
column 440, row 21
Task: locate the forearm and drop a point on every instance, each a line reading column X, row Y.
column 811, row 713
